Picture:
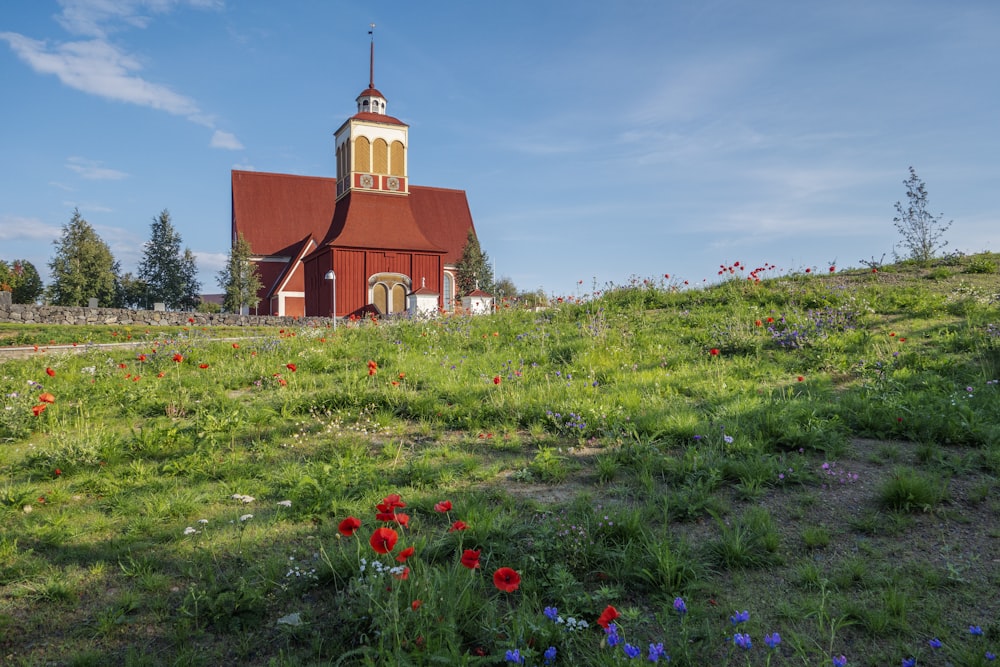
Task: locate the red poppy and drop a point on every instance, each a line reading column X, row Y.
column 141, row 358
column 58, row 472
column 236, row 346
column 714, row 352
column 160, row 374
column 667, row 276
column 800, row 379
column 758, row 323
column 402, row 519
column 892, row 334
column 390, row 502
column 191, row 320
column 383, row 540
column 404, row 575
column 458, row 525
column 402, row 376
column 415, row 605
column 443, row 506
column 770, row 320
column 178, row 358
column 874, row 270
column 808, row 270
column 394, row 383
column 372, row 367
column 38, row 409
column 47, row 398
column 609, row 614
column 202, row 365
column 51, row 373
column 122, row 365
column 496, row 379
column 405, row 554
column 291, row 367
column 902, row 340
column 348, row 526
column 833, row 269
column 506, row 579
column 470, row 558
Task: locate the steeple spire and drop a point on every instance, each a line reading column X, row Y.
column 371, row 56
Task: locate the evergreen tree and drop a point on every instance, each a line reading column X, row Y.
column 83, row 267
column 240, row 278
column 473, row 268
column 171, row 275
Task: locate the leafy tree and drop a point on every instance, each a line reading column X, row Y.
column 240, row 278
column 133, row 293
column 504, row 288
column 922, row 232
column 83, row 267
column 25, row 281
column 473, row 268
column 170, row 275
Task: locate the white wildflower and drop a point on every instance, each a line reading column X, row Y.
column 284, row 503
column 190, row 531
column 246, row 517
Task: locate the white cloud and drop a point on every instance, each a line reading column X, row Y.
column 210, row 261
column 96, row 18
column 16, row 228
column 225, row 140
column 98, row 68
column 93, row 171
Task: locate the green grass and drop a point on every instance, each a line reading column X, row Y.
column 832, row 471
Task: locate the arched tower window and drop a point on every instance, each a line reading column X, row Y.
column 362, row 152
column 397, row 161
column 380, row 157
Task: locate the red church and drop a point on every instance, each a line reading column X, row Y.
column 365, row 241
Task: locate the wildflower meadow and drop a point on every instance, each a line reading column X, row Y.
column 782, row 468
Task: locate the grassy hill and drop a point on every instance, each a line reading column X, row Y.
column 820, row 451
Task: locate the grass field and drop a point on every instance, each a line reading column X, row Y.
column 797, row 471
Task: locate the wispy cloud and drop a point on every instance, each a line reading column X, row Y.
column 96, row 18
column 210, row 261
column 16, row 228
column 93, row 171
column 225, row 140
column 98, row 67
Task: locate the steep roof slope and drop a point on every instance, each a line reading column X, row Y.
column 274, row 212
column 444, row 217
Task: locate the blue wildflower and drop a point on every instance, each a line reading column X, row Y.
column 551, row 613
column 632, row 651
column 740, row 617
column 680, row 606
column 772, row 640
column 909, row 662
column 991, row 656
column 975, row 630
column 549, row 655
column 612, row 635
column 935, row 643
column 656, row 652
column 839, row 661
column 514, row 656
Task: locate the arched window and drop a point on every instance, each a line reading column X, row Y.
column 380, row 157
column 397, row 161
column 398, row 298
column 380, row 297
column 362, row 153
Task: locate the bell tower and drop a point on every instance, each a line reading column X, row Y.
column 371, row 145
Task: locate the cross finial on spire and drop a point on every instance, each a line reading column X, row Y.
column 371, row 57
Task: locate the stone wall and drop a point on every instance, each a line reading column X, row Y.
column 33, row 314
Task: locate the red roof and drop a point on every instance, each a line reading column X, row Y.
column 370, row 117
column 275, row 212
column 371, row 92
column 444, row 217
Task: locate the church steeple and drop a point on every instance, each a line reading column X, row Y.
column 371, row 100
column 371, row 145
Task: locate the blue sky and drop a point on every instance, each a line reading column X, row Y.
column 596, row 140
